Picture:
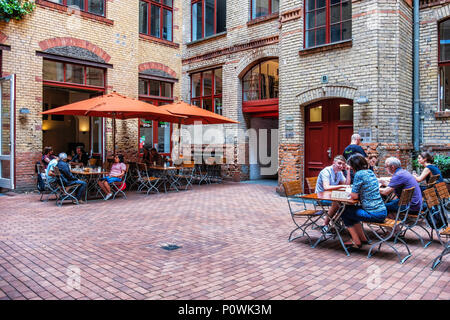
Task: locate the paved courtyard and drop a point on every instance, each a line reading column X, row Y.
column 233, row 245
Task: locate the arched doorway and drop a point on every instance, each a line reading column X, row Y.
column 260, row 88
column 328, row 129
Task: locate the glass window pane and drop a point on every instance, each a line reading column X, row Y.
column 310, row 20
column 207, row 105
column 196, row 85
column 167, row 25
column 347, row 30
column 320, row 17
column 269, row 79
column 218, row 81
column 310, row 5
column 197, row 21
column 218, row 105
column 197, row 103
column 321, row 3
column 154, row 88
column 335, row 13
column 335, row 32
column 5, row 169
column 74, row 73
column 96, row 7
column 347, row 10
column 444, row 38
column 76, row 3
column 143, row 87
column 260, row 8
column 275, row 6
column 168, row 3
column 56, row 1
column 345, row 112
column 444, row 94
column 207, row 83
column 221, row 19
column 320, row 36
column 94, row 77
column 315, row 114
column 166, row 89
column 143, row 17
column 146, row 134
column 5, row 121
column 250, row 84
column 155, row 23
column 310, row 38
column 163, row 137
column 96, row 135
column 209, row 17
column 335, row 1
column 53, row 71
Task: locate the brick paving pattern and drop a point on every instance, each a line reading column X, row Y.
column 233, row 240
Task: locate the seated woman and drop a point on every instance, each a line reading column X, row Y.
column 426, row 160
column 47, row 156
column 80, row 157
column 115, row 175
column 372, row 208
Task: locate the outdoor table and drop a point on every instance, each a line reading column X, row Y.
column 91, row 177
column 336, row 221
column 167, row 175
column 209, row 170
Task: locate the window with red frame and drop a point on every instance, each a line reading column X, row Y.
column 260, row 8
column 208, row 18
column 156, row 18
column 206, row 90
column 261, row 82
column 327, row 21
column 92, row 6
column 444, row 65
column 75, row 74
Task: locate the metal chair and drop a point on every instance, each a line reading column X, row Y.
column 303, row 218
column 444, row 197
column 187, row 173
column 396, row 227
column 119, row 187
column 442, row 231
column 66, row 192
column 432, row 181
column 145, row 181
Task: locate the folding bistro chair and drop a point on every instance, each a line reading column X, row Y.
column 437, row 215
column 432, row 181
column 50, row 188
column 444, row 197
column 391, row 229
column 303, row 218
column 145, row 181
column 186, row 173
column 66, row 192
column 311, row 181
column 119, row 187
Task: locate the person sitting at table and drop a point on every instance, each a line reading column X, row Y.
column 330, row 178
column 146, row 157
column 49, row 173
column 68, row 178
column 47, row 156
column 426, row 160
column 80, row 156
column 155, row 157
column 373, row 160
column 115, row 175
column 401, row 179
column 366, row 190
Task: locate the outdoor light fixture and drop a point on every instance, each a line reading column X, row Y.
column 362, row 100
column 24, row 111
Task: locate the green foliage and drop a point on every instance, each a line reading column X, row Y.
column 443, row 163
column 15, row 9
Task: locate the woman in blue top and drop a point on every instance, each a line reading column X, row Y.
column 366, row 190
column 426, row 160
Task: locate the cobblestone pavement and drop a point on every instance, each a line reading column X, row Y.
column 233, row 240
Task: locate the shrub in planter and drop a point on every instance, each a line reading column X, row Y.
column 15, row 9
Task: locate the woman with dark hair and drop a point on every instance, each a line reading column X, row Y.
column 366, row 190
column 47, row 156
column 426, row 160
column 115, row 175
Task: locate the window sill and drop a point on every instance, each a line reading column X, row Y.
column 271, row 17
column 213, row 37
column 442, row 114
column 66, row 9
column 327, row 47
column 159, row 41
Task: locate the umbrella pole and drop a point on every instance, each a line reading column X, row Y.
column 114, row 136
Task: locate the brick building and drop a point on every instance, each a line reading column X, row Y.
column 316, row 70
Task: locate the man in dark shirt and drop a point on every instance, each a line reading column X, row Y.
column 68, row 178
column 80, row 156
column 353, row 148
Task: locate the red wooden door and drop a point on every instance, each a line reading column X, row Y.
column 328, row 129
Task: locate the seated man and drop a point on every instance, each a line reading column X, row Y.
column 80, row 156
column 329, row 179
column 68, row 178
column 401, row 179
column 155, row 157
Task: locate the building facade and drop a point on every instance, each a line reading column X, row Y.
column 299, row 75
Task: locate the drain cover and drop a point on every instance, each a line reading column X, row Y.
column 170, row 247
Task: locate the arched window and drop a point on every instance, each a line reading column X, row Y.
column 261, row 81
column 444, row 65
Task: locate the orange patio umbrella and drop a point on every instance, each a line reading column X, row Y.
column 115, row 106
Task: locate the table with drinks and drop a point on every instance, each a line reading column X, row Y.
column 167, row 174
column 91, row 176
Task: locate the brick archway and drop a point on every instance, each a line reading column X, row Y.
column 442, row 13
column 326, row 92
column 157, row 66
column 74, row 42
column 3, row 38
column 252, row 58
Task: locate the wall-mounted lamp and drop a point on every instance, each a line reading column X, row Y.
column 362, row 100
column 24, row 111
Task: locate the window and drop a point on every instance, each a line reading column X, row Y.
column 92, row 6
column 55, row 71
column 155, row 88
column 260, row 8
column 261, row 81
column 444, row 65
column 327, row 21
column 156, row 18
column 208, row 18
column 206, row 90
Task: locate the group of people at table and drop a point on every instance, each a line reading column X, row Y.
column 356, row 168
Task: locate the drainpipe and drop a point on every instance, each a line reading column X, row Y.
column 416, row 117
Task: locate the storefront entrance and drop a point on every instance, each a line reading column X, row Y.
column 329, row 127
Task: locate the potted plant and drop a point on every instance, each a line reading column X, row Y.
column 15, row 9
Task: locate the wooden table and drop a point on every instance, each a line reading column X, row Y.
column 91, row 177
column 335, row 221
column 168, row 176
